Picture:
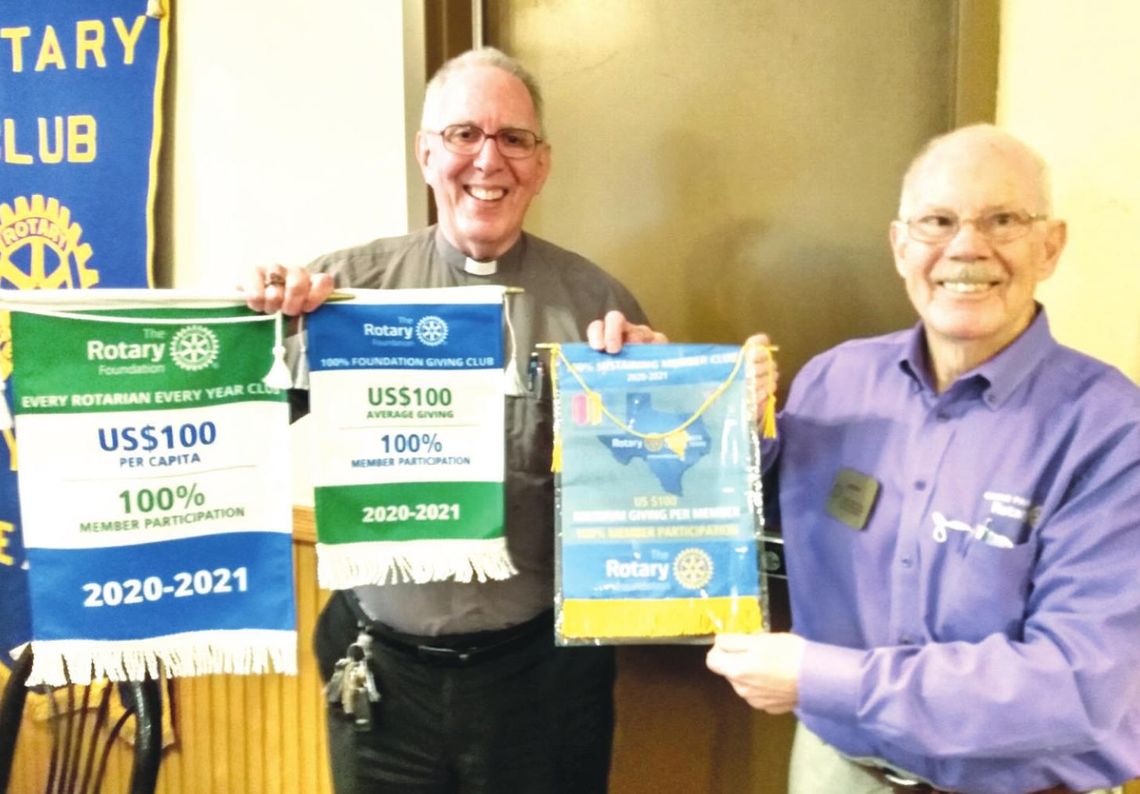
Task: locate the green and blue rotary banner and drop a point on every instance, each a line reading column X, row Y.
column 407, row 397
column 153, row 484
column 659, row 500
column 80, row 119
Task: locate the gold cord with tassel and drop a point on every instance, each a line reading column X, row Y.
column 768, row 421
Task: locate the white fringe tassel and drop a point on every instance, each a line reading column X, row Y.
column 237, row 652
column 419, row 561
column 278, row 376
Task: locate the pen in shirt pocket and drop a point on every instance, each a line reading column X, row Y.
column 536, row 375
column 985, row 533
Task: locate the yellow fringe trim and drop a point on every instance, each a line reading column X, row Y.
column 584, row 619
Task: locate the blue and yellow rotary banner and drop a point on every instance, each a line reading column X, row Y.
column 80, row 99
column 659, row 504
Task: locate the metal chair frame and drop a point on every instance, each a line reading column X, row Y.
column 79, row 756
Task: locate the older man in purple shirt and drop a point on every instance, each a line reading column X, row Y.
column 961, row 517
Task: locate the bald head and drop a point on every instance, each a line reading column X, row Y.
column 981, row 144
column 481, row 57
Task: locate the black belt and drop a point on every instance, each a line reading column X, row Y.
column 464, row 650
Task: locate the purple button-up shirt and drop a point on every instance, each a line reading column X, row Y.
column 982, row 630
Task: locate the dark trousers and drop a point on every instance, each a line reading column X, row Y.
column 537, row 719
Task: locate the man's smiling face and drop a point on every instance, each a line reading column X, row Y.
column 482, row 198
column 970, row 291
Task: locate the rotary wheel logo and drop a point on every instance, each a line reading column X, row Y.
column 40, row 248
column 431, row 330
column 654, row 444
column 693, row 568
column 194, row 347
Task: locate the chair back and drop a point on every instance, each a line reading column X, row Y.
column 83, row 732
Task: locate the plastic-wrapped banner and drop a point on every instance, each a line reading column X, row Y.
column 659, row 503
column 406, row 392
column 153, row 486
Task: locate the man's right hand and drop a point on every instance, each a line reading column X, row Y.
column 763, row 668
column 291, row 290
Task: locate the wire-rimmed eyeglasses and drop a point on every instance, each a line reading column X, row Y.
column 999, row 226
column 467, row 139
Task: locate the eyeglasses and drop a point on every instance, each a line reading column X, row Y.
column 999, row 226
column 468, row 139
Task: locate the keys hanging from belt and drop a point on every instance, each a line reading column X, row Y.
column 353, row 686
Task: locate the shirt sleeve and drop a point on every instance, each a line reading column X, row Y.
column 1065, row 684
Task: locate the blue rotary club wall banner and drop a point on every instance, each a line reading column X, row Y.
column 153, row 462
column 659, row 506
column 407, row 397
column 80, row 99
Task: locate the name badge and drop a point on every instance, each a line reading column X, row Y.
column 852, row 497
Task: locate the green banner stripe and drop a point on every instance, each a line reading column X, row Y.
column 409, row 511
column 72, row 365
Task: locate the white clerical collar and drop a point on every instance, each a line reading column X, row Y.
column 477, row 268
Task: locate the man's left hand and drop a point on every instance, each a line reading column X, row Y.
column 764, row 669
column 614, row 331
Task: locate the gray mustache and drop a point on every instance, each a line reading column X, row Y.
column 968, row 273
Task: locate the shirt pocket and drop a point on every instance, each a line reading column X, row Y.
column 984, row 590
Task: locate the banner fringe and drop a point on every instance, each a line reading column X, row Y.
column 237, row 652
column 399, row 562
column 597, row 619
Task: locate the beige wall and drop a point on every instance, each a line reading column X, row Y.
column 1067, row 83
column 288, row 134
